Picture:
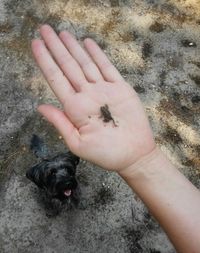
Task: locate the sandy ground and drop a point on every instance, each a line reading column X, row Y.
column 156, row 47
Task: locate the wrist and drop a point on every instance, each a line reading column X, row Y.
column 147, row 168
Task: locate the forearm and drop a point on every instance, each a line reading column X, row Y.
column 170, row 197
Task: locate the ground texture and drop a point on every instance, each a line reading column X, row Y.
column 155, row 44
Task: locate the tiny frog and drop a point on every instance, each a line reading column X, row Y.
column 106, row 115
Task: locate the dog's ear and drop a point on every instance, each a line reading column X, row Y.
column 35, row 174
column 38, row 147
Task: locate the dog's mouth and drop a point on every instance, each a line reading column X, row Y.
column 66, row 189
column 68, row 192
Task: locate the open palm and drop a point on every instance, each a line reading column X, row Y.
column 86, row 84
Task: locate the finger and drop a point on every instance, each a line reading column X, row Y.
column 62, row 56
column 62, row 124
column 89, row 68
column 57, row 81
column 109, row 72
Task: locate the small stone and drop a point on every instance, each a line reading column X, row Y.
column 188, row 43
column 24, row 148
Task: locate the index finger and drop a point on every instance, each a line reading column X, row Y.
column 109, row 72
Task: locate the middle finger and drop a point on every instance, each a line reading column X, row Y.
column 88, row 66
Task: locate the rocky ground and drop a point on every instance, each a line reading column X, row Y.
column 155, row 44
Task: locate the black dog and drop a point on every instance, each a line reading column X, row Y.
column 56, row 175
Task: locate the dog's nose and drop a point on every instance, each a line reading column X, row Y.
column 72, row 183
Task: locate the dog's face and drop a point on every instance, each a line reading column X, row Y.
column 56, row 175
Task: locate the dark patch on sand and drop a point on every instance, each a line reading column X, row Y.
column 112, row 23
column 114, row 3
column 195, row 78
column 196, row 63
column 170, row 8
column 147, row 49
column 139, row 89
column 195, row 99
column 129, row 36
column 133, row 236
column 6, row 27
column 172, row 136
column 103, row 197
column 162, row 77
column 157, row 27
column 193, row 160
column 189, row 162
column 172, row 106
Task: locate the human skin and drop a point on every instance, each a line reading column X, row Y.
column 84, row 81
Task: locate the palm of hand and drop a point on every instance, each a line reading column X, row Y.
column 109, row 139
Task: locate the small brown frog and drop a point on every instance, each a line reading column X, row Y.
column 106, row 115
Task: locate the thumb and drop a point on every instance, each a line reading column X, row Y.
column 58, row 118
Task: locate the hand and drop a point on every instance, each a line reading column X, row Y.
column 85, row 82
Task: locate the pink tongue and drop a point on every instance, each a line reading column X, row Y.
column 68, row 193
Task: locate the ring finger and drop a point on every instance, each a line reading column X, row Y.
column 88, row 66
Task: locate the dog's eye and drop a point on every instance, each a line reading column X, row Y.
column 53, row 171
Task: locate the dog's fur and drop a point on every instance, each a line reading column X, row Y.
column 56, row 175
